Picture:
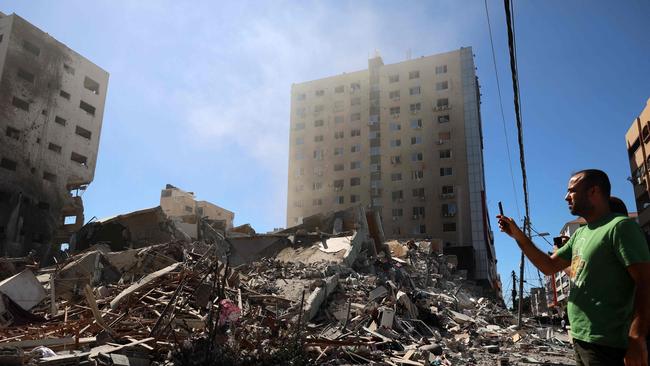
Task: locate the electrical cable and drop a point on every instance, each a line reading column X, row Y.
column 503, row 118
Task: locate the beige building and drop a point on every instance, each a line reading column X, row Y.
column 183, row 208
column 51, row 111
column 404, row 139
column 637, row 139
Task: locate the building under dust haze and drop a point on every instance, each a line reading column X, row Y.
column 51, row 110
column 404, row 139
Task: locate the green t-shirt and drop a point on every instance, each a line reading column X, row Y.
column 601, row 301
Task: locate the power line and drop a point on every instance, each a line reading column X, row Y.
column 503, row 118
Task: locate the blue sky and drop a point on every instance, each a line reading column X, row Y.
column 186, row 78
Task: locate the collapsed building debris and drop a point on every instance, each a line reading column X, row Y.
column 329, row 291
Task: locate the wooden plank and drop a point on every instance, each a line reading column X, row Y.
column 47, row 342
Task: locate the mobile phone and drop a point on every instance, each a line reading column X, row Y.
column 558, row 241
column 500, row 209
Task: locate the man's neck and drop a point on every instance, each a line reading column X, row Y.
column 596, row 214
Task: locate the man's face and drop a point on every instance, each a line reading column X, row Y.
column 578, row 196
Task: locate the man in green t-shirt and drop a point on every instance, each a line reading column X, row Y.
column 609, row 302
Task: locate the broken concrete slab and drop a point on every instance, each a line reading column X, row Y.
column 24, row 289
column 141, row 283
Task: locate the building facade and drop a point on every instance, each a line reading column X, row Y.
column 51, row 112
column 183, row 208
column 637, row 140
column 404, row 139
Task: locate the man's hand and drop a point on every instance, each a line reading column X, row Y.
column 637, row 353
column 508, row 226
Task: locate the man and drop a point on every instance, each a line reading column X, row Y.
column 609, row 302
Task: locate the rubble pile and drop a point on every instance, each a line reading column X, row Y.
column 300, row 297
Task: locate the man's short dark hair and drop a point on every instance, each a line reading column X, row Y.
column 596, row 178
column 617, row 206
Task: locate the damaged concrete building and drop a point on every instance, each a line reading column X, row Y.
column 402, row 139
column 51, row 111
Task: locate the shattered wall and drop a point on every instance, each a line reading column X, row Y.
column 51, row 109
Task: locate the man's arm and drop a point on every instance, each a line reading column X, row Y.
column 637, row 354
column 545, row 263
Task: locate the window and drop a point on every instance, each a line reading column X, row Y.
column 31, row 48
column 416, row 140
column 299, row 141
column 299, row 155
column 299, row 188
column 414, row 90
column 355, row 101
column 339, row 89
column 189, row 209
column 448, row 209
column 338, row 167
column 339, row 119
column 319, row 123
column 54, row 147
column 393, row 126
column 415, row 107
column 8, row 164
column 319, row 108
column 338, row 184
column 91, row 85
column 87, row 107
column 416, row 156
column 441, row 69
column 442, row 85
column 442, row 102
column 414, row 74
column 416, row 123
column 396, row 159
column 393, row 78
column 338, row 106
column 445, row 154
column 318, row 138
column 394, row 94
column 355, row 117
column 355, row 181
column 445, row 172
column 78, row 158
column 318, row 154
column 444, row 136
column 318, row 171
column 447, row 189
column 397, row 195
column 300, row 112
column 299, row 172
column 317, row 186
column 338, row 135
column 374, row 135
column 418, row 192
column 355, row 87
column 297, row 203
column 394, row 110
column 395, row 143
column 417, row 174
column 396, row 177
column 397, row 212
column 19, row 103
column 83, row 132
column 320, row 93
column 69, row 69
column 448, row 227
column 50, row 177
column 299, row 126
column 12, row 133
column 64, row 94
column 443, row 118
column 355, row 148
column 355, row 198
column 418, row 211
column 338, row 151
column 25, row 75
column 317, row 202
column 354, row 133
column 355, row 165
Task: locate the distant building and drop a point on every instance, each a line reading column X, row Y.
column 185, row 211
column 637, row 139
column 404, row 139
column 51, row 112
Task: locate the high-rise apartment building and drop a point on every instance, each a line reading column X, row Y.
column 404, row 139
column 51, row 110
column 638, row 150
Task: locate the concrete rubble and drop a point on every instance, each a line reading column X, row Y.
column 331, row 291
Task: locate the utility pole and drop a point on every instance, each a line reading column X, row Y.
column 514, row 290
column 521, row 274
